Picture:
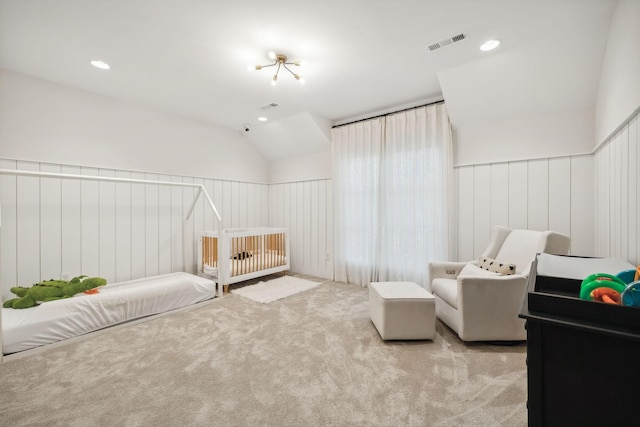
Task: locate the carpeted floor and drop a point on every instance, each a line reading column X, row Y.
column 311, row 359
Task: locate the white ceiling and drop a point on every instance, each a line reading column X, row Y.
column 361, row 57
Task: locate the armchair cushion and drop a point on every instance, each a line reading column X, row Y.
column 519, row 248
column 447, row 290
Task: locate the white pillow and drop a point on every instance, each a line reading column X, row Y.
column 491, row 264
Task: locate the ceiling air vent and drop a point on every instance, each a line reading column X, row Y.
column 446, row 42
column 269, row 106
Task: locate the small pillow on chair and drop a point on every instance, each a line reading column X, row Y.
column 496, row 266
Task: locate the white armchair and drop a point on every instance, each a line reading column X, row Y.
column 481, row 305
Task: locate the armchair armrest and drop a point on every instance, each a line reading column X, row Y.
column 445, row 269
column 491, row 304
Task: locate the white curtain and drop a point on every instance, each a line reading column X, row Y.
column 392, row 196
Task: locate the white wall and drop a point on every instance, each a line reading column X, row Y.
column 560, row 133
column 306, row 208
column 48, row 122
column 617, row 159
column 301, row 168
column 114, row 230
column 619, row 87
column 543, row 194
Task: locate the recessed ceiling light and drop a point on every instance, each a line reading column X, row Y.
column 490, row 45
column 100, row 64
column 262, row 119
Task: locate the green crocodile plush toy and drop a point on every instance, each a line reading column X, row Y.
column 51, row 290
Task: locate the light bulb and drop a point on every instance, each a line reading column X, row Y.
column 274, row 81
column 272, row 55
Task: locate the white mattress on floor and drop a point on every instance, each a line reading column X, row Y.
column 115, row 303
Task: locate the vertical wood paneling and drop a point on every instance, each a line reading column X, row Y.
column 632, row 190
column 8, row 236
column 120, row 231
column 582, row 206
column 614, row 186
column 165, row 237
column 293, row 227
column 617, row 194
column 71, row 219
column 306, row 189
column 499, row 194
column 306, row 208
column 330, row 231
column 152, row 207
column 90, row 217
column 465, row 213
column 177, row 226
column 218, row 201
column 250, row 206
column 560, row 195
column 322, row 231
column 188, row 235
column 107, row 227
column 235, row 205
column 546, row 194
column 538, row 195
column 623, row 175
column 50, row 224
column 138, row 228
column 518, row 195
column 123, row 227
column 481, row 208
column 28, row 226
column 227, row 205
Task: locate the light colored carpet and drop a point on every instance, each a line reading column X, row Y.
column 275, row 289
column 312, row 359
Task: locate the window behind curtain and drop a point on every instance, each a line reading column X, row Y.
column 391, row 188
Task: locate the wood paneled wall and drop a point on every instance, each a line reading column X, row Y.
column 125, row 231
column 306, row 208
column 545, row 194
column 119, row 231
column 617, row 222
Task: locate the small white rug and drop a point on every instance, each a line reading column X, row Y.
column 275, row 289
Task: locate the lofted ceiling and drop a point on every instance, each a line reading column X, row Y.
column 361, row 57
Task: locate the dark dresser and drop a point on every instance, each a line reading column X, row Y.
column 583, row 357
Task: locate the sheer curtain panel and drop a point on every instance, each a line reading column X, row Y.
column 393, row 196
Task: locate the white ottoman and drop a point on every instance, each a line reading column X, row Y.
column 402, row 311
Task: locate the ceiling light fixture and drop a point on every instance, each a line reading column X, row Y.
column 489, row 45
column 281, row 61
column 100, row 64
column 263, row 119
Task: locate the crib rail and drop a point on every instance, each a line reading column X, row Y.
column 209, row 252
column 254, row 253
column 239, row 254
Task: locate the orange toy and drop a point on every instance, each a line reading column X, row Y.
column 607, row 295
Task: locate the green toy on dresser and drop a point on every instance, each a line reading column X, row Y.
column 51, row 290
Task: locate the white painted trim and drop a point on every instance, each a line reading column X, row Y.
column 611, row 134
column 463, row 165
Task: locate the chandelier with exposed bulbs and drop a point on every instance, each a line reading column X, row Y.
column 280, row 61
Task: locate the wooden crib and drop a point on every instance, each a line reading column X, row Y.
column 237, row 254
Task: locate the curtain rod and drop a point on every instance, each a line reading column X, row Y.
column 388, row 114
